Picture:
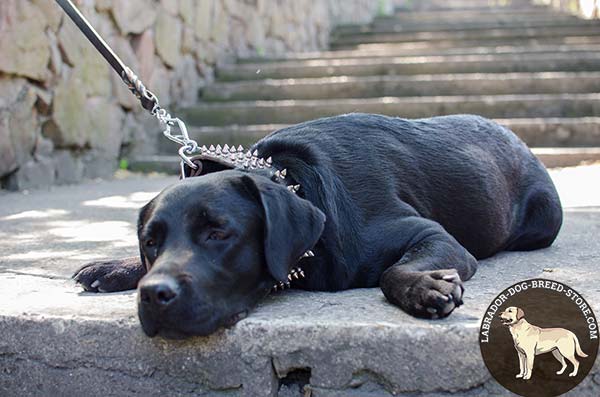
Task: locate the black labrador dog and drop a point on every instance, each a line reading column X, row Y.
column 407, row 205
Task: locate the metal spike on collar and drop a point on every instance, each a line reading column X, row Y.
column 281, row 174
column 308, row 254
column 295, row 273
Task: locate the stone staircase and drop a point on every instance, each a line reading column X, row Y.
column 533, row 69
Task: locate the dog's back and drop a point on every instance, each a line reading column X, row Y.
column 473, row 176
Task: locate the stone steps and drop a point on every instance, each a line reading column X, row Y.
column 383, row 51
column 466, row 35
column 296, row 111
column 473, row 14
column 416, row 47
column 416, row 85
column 534, row 69
column 445, row 64
column 466, row 5
column 395, row 26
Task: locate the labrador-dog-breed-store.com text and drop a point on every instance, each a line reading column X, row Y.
column 406, row 205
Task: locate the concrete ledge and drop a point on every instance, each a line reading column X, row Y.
column 57, row 340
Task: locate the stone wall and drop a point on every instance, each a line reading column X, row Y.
column 65, row 116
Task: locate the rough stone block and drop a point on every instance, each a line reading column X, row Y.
column 171, row 6
column 187, row 11
column 220, row 25
column 88, row 65
column 143, row 46
column 34, row 174
column 69, row 168
column 133, row 16
column 188, row 41
column 99, row 165
column 43, row 147
column 24, row 48
column 105, row 120
column 70, row 123
column 18, row 124
column 168, row 38
column 186, row 82
column 51, row 11
column 8, row 160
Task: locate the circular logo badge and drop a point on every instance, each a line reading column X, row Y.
column 539, row 338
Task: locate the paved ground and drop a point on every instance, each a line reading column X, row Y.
column 57, row 340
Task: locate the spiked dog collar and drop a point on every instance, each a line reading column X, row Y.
column 248, row 160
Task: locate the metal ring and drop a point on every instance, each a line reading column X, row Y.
column 185, row 158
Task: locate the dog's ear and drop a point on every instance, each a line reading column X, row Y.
column 292, row 225
column 520, row 313
column 142, row 218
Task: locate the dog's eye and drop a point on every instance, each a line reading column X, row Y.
column 217, row 235
column 150, row 243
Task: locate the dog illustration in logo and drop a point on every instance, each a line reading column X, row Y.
column 531, row 340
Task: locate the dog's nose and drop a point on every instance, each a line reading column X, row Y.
column 158, row 291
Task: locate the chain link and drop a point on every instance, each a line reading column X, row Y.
column 188, row 146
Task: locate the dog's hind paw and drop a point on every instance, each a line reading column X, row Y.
column 111, row 275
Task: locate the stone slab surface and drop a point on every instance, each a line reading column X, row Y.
column 57, row 340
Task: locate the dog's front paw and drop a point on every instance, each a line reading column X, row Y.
column 111, row 275
column 432, row 294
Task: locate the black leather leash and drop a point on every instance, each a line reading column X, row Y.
column 135, row 85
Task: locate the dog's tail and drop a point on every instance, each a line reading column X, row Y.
column 580, row 352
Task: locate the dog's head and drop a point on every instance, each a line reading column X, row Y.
column 214, row 245
column 511, row 315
